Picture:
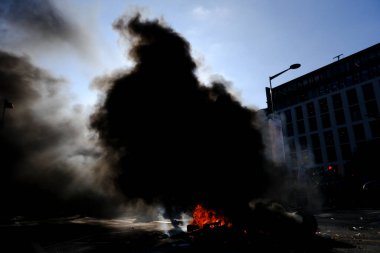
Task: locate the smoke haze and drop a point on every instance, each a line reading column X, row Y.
column 157, row 136
column 49, row 29
column 50, row 163
column 47, row 155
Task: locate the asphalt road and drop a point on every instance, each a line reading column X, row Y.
column 358, row 227
column 349, row 231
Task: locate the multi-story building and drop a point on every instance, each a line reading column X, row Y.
column 328, row 113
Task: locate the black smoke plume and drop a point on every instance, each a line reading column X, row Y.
column 179, row 142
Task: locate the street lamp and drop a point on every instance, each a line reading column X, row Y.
column 275, row 125
column 293, row 66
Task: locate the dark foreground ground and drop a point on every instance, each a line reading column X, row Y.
column 359, row 228
column 348, row 231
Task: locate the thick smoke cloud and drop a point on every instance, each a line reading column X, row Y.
column 45, row 27
column 165, row 138
column 180, row 142
column 40, row 16
column 48, row 163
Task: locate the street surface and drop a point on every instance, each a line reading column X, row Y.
column 360, row 228
column 339, row 231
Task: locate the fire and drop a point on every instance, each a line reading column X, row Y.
column 203, row 216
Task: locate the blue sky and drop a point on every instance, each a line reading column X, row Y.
column 244, row 41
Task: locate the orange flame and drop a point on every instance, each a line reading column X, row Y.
column 203, row 216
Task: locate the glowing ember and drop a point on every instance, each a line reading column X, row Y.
column 203, row 216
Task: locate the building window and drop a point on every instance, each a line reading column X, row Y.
column 355, row 78
column 352, row 97
column 331, row 154
column 339, row 117
column 293, row 160
column 305, row 158
column 300, row 127
column 326, row 123
column 355, row 113
column 317, row 156
column 364, row 75
column 346, row 151
column 372, row 110
column 289, row 125
column 292, row 145
column 299, row 113
column 372, row 72
column 289, row 129
column 303, row 142
column 349, row 82
column 343, row 135
column 323, row 107
column 359, row 132
column 310, row 109
column 313, row 124
column 315, row 142
column 375, row 128
column 329, row 138
column 288, row 116
column 370, row 98
column 368, row 92
column 337, row 101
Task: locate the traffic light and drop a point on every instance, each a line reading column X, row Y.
column 332, row 169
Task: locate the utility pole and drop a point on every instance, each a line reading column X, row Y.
column 6, row 105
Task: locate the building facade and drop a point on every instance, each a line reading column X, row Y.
column 329, row 113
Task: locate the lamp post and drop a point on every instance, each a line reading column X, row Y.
column 275, row 125
column 293, row 66
column 6, row 105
